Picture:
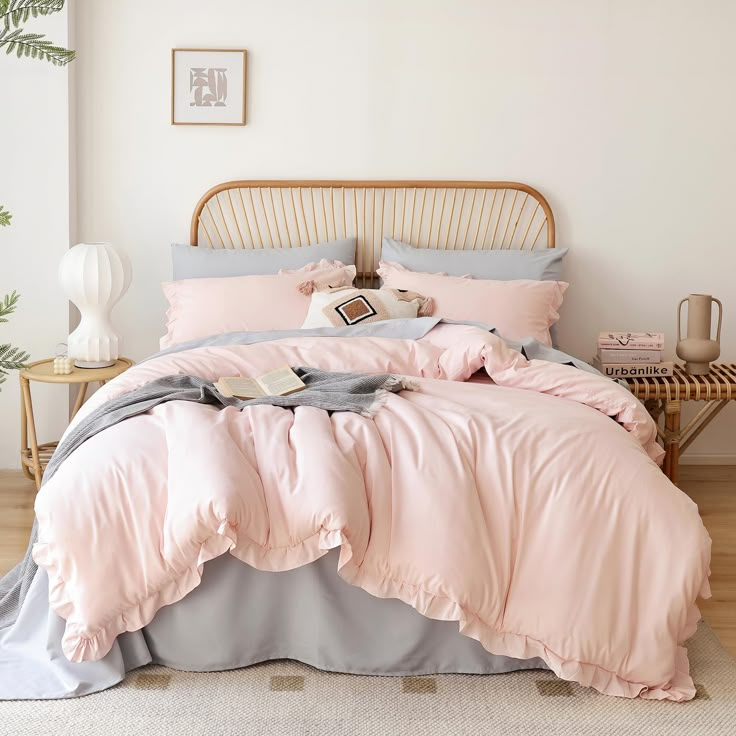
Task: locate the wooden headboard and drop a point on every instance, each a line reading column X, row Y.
column 452, row 215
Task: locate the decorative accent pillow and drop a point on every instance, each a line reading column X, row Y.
column 192, row 262
column 202, row 307
column 518, row 309
column 348, row 306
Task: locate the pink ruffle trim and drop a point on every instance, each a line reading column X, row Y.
column 520, row 646
column 79, row 646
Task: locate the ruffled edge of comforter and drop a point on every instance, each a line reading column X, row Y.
column 80, row 646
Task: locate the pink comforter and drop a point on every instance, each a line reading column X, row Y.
column 520, row 509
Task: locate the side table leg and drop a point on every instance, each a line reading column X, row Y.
column 26, row 391
column 24, row 433
column 672, row 411
column 81, row 394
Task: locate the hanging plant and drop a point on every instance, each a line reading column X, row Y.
column 14, row 38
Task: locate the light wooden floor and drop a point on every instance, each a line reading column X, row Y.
column 713, row 488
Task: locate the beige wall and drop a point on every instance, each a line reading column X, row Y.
column 622, row 112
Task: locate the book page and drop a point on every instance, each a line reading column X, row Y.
column 281, row 382
column 243, row 388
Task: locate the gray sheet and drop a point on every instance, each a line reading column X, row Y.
column 313, row 615
column 239, row 616
column 403, row 329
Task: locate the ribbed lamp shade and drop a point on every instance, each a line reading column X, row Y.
column 94, row 277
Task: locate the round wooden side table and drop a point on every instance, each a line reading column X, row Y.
column 35, row 457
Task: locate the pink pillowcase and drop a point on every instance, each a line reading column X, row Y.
column 202, row 307
column 517, row 308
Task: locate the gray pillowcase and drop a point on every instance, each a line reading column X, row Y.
column 501, row 265
column 192, row 262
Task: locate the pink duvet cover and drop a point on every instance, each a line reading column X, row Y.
column 521, row 509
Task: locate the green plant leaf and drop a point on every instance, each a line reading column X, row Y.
column 8, row 305
column 24, row 45
column 33, row 45
column 16, row 12
column 12, row 358
column 5, row 217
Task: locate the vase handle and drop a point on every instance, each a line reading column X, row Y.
column 720, row 319
column 679, row 317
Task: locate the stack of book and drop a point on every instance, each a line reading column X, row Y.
column 631, row 354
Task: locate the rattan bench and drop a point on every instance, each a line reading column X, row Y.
column 664, row 395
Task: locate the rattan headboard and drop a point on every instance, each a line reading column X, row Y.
column 453, row 215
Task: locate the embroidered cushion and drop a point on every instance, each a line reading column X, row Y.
column 343, row 306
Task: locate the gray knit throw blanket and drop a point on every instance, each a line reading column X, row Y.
column 355, row 392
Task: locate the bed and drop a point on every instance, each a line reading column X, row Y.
column 539, row 564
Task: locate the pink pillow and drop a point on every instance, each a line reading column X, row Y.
column 202, row 307
column 517, row 308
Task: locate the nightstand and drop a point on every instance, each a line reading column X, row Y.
column 35, row 457
column 664, row 395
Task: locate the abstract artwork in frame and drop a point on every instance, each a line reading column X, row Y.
column 208, row 86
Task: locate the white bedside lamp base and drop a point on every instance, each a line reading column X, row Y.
column 94, row 344
column 93, row 363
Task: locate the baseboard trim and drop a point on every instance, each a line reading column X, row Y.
column 725, row 458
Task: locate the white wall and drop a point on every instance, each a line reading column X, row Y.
column 621, row 112
column 34, row 186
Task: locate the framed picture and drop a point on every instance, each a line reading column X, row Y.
column 208, row 86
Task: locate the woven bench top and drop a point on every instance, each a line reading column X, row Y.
column 718, row 385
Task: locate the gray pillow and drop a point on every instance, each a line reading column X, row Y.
column 501, row 265
column 192, row 262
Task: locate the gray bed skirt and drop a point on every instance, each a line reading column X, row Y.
column 239, row 616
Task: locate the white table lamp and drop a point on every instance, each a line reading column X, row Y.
column 94, row 277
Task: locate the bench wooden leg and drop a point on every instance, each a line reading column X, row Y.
column 672, row 411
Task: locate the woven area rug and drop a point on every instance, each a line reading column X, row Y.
column 287, row 698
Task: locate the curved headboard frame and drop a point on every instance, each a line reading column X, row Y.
column 451, row 215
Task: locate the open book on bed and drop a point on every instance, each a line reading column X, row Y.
column 280, row 382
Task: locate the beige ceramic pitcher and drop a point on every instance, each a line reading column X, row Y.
column 697, row 349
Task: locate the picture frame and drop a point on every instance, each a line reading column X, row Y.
column 208, row 86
